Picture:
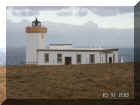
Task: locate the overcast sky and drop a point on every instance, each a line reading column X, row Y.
column 81, row 26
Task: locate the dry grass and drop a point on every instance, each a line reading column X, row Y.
column 69, row 82
column 2, row 84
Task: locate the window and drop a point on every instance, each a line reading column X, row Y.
column 110, row 60
column 59, row 58
column 79, row 59
column 46, row 58
column 91, row 58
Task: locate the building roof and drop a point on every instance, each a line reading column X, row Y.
column 36, row 23
column 36, row 27
column 59, row 44
column 81, row 49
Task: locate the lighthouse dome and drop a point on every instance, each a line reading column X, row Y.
column 36, row 23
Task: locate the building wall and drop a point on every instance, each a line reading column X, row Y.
column 100, row 57
column 115, row 58
column 34, row 42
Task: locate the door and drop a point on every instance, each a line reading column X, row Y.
column 67, row 60
column 110, row 60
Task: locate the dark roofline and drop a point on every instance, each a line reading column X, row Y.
column 77, row 50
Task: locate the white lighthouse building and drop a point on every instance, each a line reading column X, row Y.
column 60, row 54
column 36, row 38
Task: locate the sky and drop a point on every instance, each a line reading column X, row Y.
column 83, row 26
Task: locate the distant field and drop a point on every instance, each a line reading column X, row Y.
column 2, row 84
column 70, row 82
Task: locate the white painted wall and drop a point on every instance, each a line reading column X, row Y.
column 100, row 57
column 63, row 46
column 34, row 41
column 115, row 54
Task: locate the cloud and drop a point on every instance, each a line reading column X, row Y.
column 99, row 10
column 25, row 12
column 65, row 12
column 73, row 11
column 39, row 8
column 110, row 10
column 87, row 35
column 104, row 17
column 15, row 34
column 83, row 12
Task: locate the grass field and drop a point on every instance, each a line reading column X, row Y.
column 70, row 82
column 2, row 84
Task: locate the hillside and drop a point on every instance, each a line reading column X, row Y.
column 69, row 82
column 2, row 84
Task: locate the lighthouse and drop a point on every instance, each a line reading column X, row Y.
column 62, row 53
column 36, row 39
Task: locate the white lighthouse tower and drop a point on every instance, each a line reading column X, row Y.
column 36, row 39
